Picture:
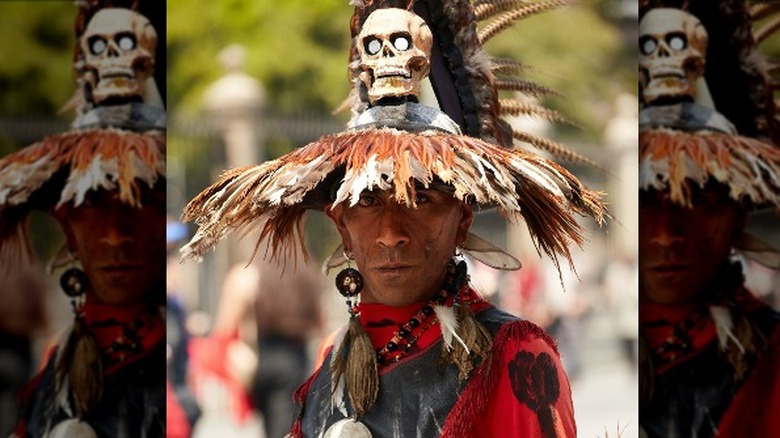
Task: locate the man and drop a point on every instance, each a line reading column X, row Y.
column 711, row 349
column 104, row 183
column 422, row 354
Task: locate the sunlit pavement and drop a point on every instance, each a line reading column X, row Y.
column 605, row 393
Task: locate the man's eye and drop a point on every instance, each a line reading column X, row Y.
column 421, row 199
column 366, row 200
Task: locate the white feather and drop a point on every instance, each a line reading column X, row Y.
column 724, row 325
column 449, row 325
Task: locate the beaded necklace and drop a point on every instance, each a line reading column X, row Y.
column 129, row 342
column 407, row 334
column 680, row 342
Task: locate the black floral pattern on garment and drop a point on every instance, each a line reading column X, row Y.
column 535, row 384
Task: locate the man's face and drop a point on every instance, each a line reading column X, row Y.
column 682, row 249
column 121, row 247
column 402, row 252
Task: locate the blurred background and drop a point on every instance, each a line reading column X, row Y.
column 250, row 81
column 35, row 82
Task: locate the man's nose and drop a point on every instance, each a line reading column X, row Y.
column 393, row 227
column 117, row 231
column 668, row 229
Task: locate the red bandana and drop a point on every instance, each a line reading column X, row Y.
column 124, row 334
column 381, row 322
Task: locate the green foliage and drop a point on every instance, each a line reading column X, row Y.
column 577, row 52
column 297, row 49
column 36, row 49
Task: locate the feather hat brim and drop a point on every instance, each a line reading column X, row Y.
column 673, row 160
column 272, row 197
column 63, row 169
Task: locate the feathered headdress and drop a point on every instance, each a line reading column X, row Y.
column 393, row 142
column 691, row 134
column 117, row 142
column 691, row 130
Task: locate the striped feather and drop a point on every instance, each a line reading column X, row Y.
column 520, row 11
column 517, row 108
column 526, row 87
column 556, row 149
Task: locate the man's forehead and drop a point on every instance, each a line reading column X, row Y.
column 712, row 192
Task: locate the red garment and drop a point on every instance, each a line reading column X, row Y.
column 521, row 346
column 208, row 359
column 107, row 323
column 524, row 391
column 755, row 407
column 658, row 323
column 176, row 423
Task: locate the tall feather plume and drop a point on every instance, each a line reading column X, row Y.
column 517, row 108
column 512, row 11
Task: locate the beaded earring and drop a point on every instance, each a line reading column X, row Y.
column 349, row 282
column 354, row 359
column 74, row 281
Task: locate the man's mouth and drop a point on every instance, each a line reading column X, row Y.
column 670, row 267
column 393, row 268
column 121, row 267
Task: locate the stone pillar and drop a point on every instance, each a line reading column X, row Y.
column 233, row 106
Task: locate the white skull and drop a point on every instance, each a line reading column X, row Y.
column 672, row 54
column 395, row 50
column 119, row 47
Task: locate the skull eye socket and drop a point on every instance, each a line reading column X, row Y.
column 401, row 42
column 647, row 45
column 97, row 45
column 372, row 45
column 677, row 41
column 126, row 41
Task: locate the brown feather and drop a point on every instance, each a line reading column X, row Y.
column 672, row 160
column 523, row 10
column 557, row 150
column 517, row 108
column 525, row 86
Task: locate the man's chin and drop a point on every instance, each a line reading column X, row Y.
column 120, row 292
column 667, row 291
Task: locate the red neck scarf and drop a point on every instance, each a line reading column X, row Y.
column 381, row 322
column 124, row 334
column 676, row 334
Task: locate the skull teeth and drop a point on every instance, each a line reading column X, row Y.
column 668, row 72
column 113, row 72
column 392, row 71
